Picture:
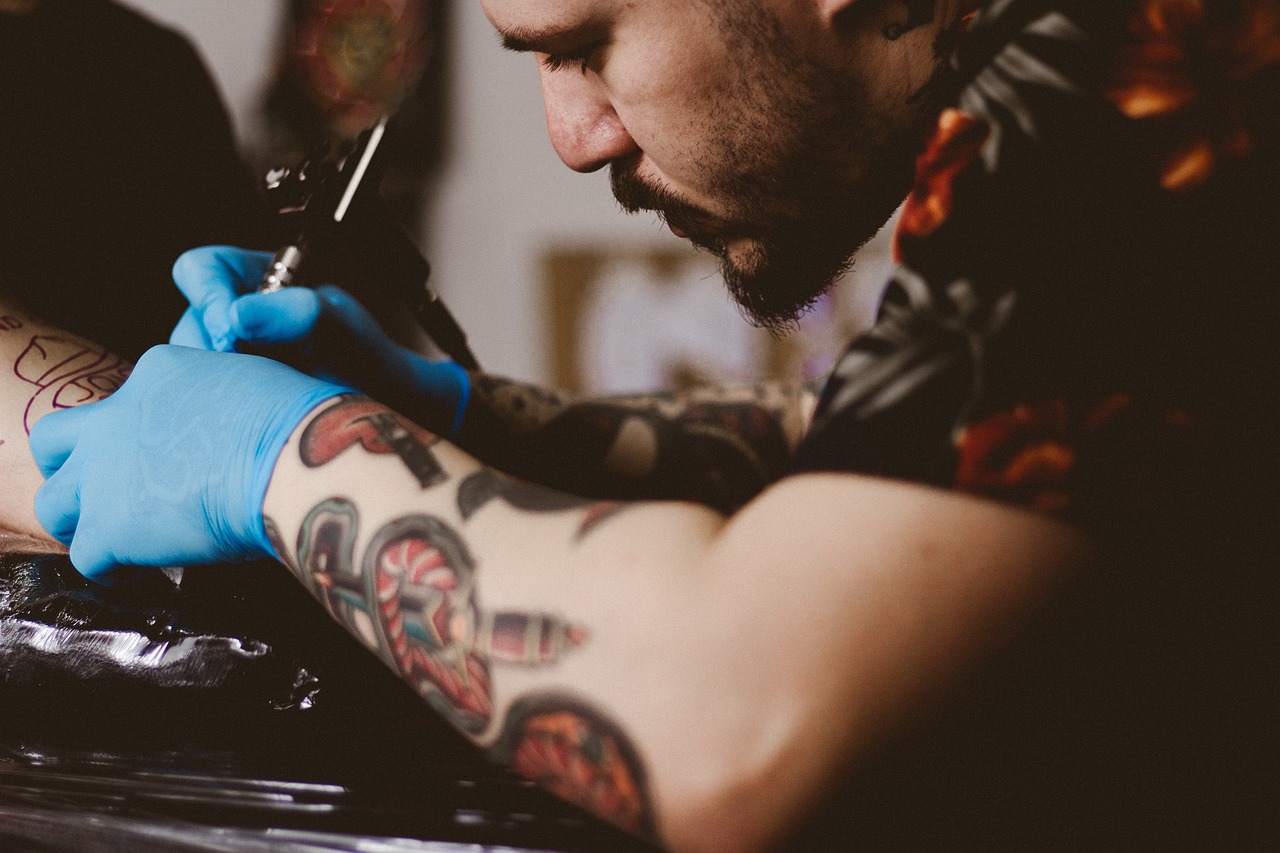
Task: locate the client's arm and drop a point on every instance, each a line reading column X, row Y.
column 42, row 368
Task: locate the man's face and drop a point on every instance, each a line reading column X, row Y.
column 747, row 125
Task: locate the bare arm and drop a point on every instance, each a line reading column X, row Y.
column 717, row 446
column 686, row 675
column 42, row 368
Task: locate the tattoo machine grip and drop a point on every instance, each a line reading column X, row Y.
column 348, row 237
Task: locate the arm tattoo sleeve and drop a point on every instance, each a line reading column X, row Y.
column 408, row 585
column 717, row 446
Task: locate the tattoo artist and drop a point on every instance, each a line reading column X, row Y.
column 1004, row 588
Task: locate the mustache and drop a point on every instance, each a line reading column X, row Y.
column 634, row 195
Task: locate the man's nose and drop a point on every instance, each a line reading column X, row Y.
column 584, row 128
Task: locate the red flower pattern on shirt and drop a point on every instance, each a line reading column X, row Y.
column 954, row 146
column 1203, row 78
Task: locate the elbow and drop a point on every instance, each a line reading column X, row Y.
column 743, row 792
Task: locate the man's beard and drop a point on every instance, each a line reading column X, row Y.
column 779, row 276
column 779, row 172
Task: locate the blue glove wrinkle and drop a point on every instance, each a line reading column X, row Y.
column 173, row 468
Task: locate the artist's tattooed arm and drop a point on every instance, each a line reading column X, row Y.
column 718, row 446
column 687, row 676
column 42, row 368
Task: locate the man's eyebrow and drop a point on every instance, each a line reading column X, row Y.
column 540, row 39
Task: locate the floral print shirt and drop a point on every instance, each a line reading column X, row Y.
column 1085, row 293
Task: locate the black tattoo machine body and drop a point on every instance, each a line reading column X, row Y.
column 346, row 235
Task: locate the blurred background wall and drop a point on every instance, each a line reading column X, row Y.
column 503, row 215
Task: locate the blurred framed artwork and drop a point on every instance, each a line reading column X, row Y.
column 637, row 319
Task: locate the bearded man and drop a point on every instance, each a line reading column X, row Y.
column 1004, row 586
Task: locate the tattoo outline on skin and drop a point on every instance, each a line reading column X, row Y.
column 358, row 420
column 574, row 751
column 326, row 550
column 67, row 373
column 413, row 599
column 486, row 484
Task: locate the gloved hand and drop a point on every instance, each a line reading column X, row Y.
column 323, row 332
column 172, row 469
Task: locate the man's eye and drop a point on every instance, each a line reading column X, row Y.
column 556, row 61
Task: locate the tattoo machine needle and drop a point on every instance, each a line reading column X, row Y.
column 348, row 237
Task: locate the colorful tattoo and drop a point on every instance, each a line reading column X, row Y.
column 413, row 600
column 356, row 420
column 485, row 485
column 574, row 752
column 67, row 373
column 420, row 579
column 326, row 555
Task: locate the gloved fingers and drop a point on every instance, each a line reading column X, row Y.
column 57, row 504
column 351, row 312
column 210, row 278
column 239, row 269
column 90, row 558
column 285, row 316
column 55, row 435
column 189, row 332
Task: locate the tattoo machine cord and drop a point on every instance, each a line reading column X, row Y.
column 347, row 235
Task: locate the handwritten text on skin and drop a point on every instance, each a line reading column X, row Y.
column 66, row 373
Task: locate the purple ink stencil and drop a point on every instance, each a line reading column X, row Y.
column 67, row 373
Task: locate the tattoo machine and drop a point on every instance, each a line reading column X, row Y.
column 347, row 235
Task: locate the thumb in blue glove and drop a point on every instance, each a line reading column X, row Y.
column 172, row 469
column 325, row 333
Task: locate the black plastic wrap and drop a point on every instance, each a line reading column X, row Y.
column 229, row 713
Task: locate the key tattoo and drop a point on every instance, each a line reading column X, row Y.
column 413, row 599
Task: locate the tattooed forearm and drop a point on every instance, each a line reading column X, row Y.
column 357, row 420
column 716, row 446
column 400, row 565
column 412, row 599
column 573, row 751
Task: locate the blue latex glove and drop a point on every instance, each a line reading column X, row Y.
column 323, row 332
column 172, row 469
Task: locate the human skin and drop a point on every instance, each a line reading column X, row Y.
column 693, row 676
column 780, row 135
column 731, row 665
column 42, row 368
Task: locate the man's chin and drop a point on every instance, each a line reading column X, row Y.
column 773, row 291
